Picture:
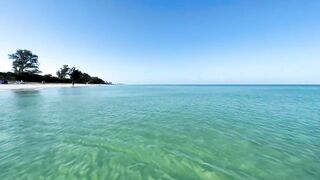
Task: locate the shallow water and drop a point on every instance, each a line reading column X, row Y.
column 161, row 132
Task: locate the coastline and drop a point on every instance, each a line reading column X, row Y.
column 30, row 86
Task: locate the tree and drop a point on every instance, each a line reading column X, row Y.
column 85, row 78
column 96, row 80
column 63, row 72
column 75, row 74
column 24, row 61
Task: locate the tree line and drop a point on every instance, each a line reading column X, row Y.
column 25, row 66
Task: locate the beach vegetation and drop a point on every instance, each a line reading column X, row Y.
column 25, row 67
column 78, row 76
column 24, row 61
column 63, row 72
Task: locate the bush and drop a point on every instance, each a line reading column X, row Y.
column 96, row 80
column 28, row 77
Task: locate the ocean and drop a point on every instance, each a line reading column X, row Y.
column 161, row 132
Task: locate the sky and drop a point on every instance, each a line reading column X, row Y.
column 169, row 41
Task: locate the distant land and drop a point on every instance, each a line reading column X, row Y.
column 25, row 67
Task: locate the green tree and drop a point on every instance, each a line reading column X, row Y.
column 24, row 61
column 85, row 78
column 96, row 80
column 75, row 74
column 63, row 72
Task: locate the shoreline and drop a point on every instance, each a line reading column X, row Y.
column 30, row 86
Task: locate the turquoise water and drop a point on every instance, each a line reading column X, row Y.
column 161, row 132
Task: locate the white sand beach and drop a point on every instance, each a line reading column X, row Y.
column 40, row 86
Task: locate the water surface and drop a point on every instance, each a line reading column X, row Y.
column 161, row 132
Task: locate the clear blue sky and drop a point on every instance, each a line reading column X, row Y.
column 168, row 41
